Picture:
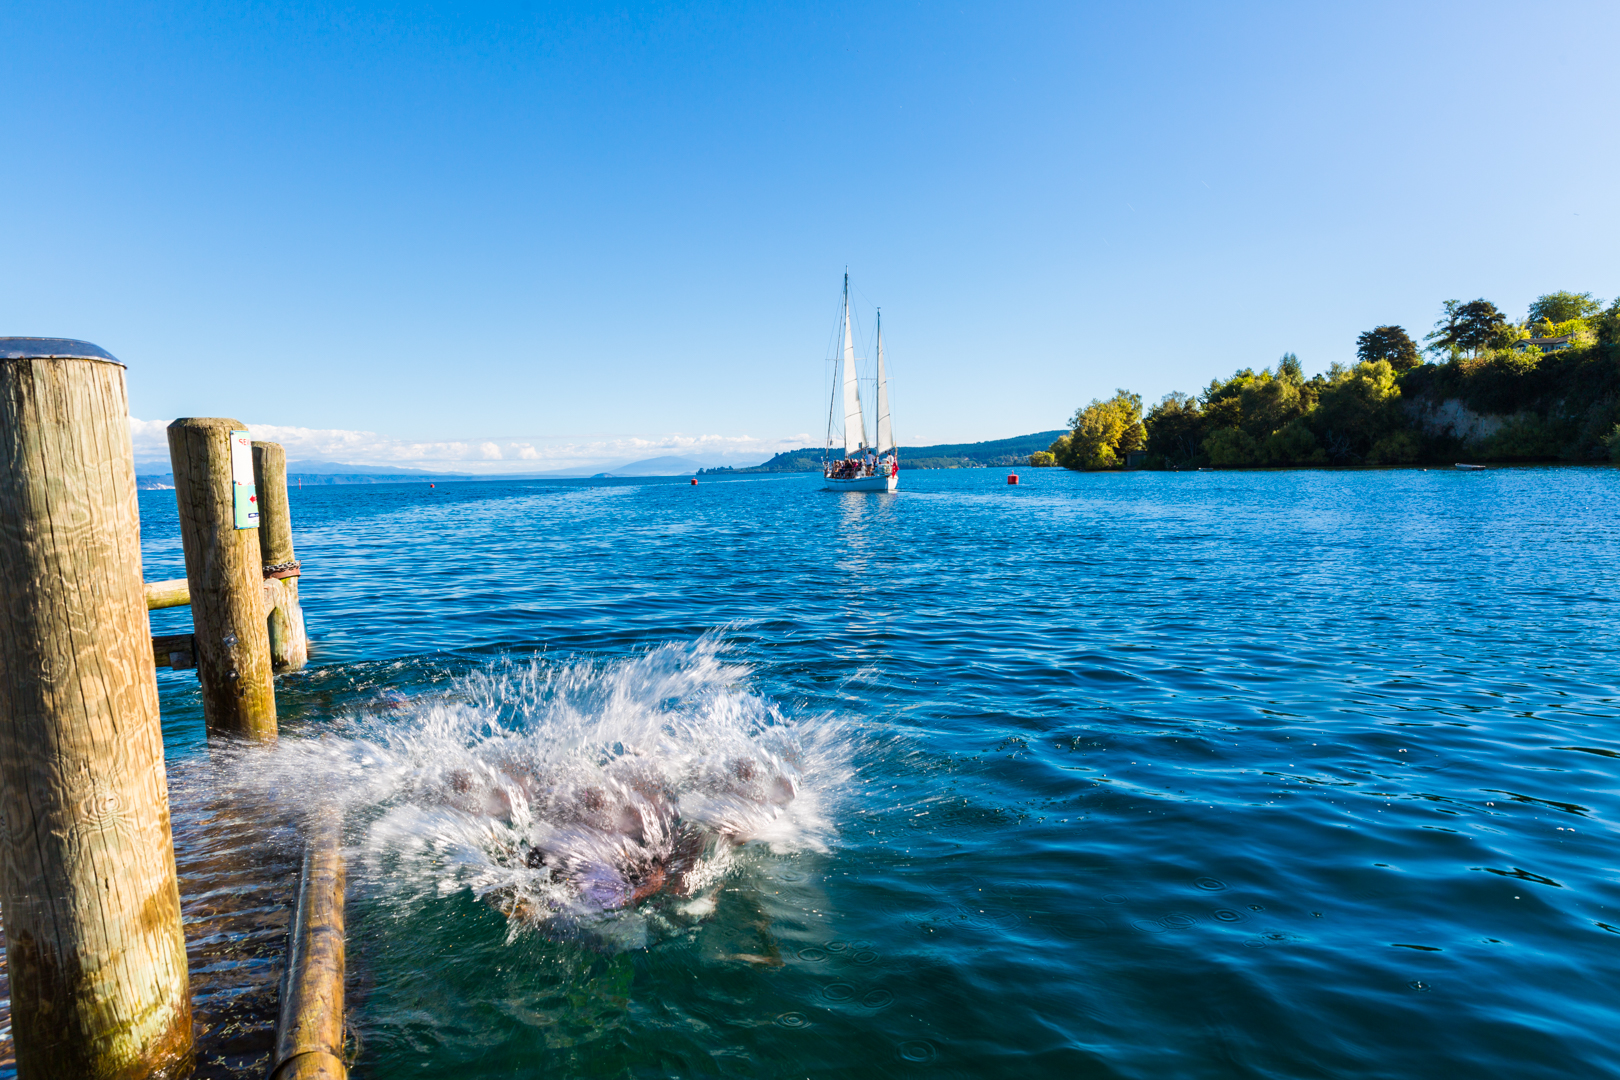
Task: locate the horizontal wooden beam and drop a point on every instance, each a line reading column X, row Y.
column 162, row 594
column 178, row 651
column 177, row 593
column 309, row 1036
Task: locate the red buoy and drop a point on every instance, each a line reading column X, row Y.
column 1012, row 478
column 694, row 481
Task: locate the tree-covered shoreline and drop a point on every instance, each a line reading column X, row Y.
column 1546, row 388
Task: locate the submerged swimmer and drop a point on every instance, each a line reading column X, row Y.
column 624, row 834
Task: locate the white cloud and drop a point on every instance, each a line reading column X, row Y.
column 487, row 454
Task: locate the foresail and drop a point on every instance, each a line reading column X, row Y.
column 854, row 422
column 885, row 427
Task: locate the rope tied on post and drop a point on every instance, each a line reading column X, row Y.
column 289, row 642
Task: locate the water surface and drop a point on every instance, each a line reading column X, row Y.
column 1135, row 775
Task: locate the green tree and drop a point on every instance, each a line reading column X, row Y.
column 1357, row 408
column 1222, row 402
column 1102, row 433
column 1292, row 444
column 1290, row 371
column 1606, row 324
column 1466, row 327
column 1231, row 446
column 1390, row 343
column 1563, row 306
column 1269, row 404
column 1042, row 459
column 1175, row 429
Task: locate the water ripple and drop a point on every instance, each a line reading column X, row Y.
column 1132, row 759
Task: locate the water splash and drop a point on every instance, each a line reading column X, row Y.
column 605, row 798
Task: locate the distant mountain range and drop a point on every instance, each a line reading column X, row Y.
column 996, row 452
column 155, row 474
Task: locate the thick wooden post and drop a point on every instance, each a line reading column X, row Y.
column 289, row 649
column 309, row 1035
column 226, row 583
column 94, row 946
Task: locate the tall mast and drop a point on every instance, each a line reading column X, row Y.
column 885, row 427
column 854, row 421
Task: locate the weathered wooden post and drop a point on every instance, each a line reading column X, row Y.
column 218, row 530
column 289, row 648
column 94, row 945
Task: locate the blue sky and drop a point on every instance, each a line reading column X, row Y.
column 414, row 233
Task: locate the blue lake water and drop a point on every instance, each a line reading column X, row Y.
column 1305, row 774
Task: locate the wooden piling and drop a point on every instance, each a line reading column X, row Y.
column 94, row 946
column 289, row 648
column 225, row 581
column 309, row 1034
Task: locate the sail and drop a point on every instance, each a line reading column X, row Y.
column 854, row 422
column 885, row 427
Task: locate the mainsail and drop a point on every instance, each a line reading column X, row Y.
column 885, row 427
column 854, row 422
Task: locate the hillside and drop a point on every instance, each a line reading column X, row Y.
column 995, row 452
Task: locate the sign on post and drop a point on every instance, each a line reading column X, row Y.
column 246, row 497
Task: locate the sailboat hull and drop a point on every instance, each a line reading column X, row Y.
column 863, row 483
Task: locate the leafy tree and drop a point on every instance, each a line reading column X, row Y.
column 1102, row 432
column 1293, row 444
column 1175, row 428
column 1290, row 371
column 1231, row 446
column 1357, row 408
column 1269, row 404
column 1606, row 325
column 1400, row 448
column 1563, row 306
column 1222, row 402
column 1505, row 335
column 1390, row 343
column 1042, row 459
column 1465, row 327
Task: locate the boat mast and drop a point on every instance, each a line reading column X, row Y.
column 885, row 426
column 854, row 419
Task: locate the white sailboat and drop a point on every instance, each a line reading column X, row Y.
column 864, row 466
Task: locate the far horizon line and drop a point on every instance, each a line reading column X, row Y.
column 699, row 461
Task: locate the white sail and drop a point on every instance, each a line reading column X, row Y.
column 885, row 427
column 854, row 421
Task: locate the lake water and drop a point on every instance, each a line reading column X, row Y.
column 1305, row 774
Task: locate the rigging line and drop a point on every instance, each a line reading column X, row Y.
column 868, row 299
column 834, row 355
column 837, row 367
column 835, row 344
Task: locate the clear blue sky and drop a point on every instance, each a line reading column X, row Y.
column 587, row 222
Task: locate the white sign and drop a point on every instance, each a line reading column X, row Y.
column 245, row 496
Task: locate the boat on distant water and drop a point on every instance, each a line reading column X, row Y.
column 1469, row 468
column 864, row 466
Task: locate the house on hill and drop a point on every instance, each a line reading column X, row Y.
column 1546, row 344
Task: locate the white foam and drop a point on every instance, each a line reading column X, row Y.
column 573, row 794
